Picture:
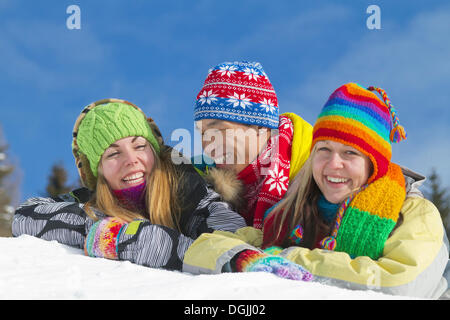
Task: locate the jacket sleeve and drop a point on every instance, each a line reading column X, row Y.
column 412, row 264
column 157, row 246
column 211, row 214
column 66, row 222
column 203, row 209
column 211, row 252
column 413, row 261
column 160, row 247
column 152, row 245
column 50, row 219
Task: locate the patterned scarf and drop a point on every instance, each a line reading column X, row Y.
column 364, row 220
column 132, row 198
column 267, row 178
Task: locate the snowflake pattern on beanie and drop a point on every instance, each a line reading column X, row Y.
column 238, row 92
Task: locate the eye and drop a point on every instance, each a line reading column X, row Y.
column 112, row 154
column 352, row 153
column 141, row 146
column 325, row 149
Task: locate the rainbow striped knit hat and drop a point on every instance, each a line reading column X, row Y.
column 355, row 116
column 238, row 92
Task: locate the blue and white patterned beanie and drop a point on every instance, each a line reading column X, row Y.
column 238, row 92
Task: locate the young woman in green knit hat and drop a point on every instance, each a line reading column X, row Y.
column 351, row 217
column 136, row 204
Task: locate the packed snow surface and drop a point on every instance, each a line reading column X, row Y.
column 32, row 268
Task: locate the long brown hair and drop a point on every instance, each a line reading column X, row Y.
column 161, row 196
column 299, row 206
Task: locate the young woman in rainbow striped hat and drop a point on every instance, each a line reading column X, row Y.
column 349, row 194
column 351, row 216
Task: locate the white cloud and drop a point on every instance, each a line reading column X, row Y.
column 412, row 64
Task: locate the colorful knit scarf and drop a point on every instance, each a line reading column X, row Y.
column 132, row 198
column 267, row 178
column 366, row 218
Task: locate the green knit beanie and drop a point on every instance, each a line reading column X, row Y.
column 107, row 123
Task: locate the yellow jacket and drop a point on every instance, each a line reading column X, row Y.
column 301, row 143
column 412, row 264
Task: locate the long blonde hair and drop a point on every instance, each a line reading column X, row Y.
column 161, row 195
column 299, row 206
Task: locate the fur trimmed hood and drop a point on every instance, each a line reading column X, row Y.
column 227, row 185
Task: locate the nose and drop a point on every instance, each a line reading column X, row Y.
column 335, row 161
column 130, row 157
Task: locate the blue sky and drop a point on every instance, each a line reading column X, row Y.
column 156, row 54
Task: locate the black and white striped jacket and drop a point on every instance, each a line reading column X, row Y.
column 63, row 219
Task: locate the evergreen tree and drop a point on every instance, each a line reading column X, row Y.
column 57, row 181
column 438, row 194
column 6, row 209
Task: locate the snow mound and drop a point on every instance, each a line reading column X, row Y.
column 33, row 268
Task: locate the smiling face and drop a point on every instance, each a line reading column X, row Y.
column 232, row 145
column 339, row 169
column 127, row 162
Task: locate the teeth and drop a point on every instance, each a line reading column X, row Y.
column 336, row 180
column 134, row 176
